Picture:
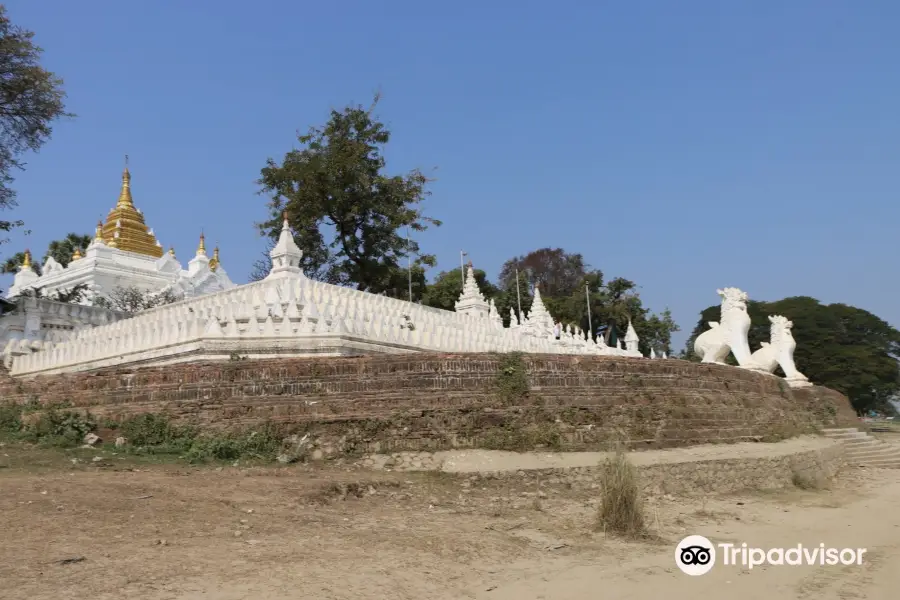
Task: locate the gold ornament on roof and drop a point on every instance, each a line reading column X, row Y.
column 172, row 252
column 98, row 234
column 128, row 221
column 26, row 260
column 201, row 248
column 77, row 254
column 214, row 261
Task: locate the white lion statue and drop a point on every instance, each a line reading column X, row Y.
column 729, row 334
column 779, row 351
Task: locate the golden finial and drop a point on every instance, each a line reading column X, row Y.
column 26, row 260
column 201, row 249
column 77, row 254
column 125, row 200
column 98, row 233
column 214, row 263
column 172, row 251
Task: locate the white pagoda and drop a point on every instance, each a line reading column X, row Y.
column 124, row 254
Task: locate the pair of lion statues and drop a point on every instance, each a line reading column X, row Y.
column 729, row 334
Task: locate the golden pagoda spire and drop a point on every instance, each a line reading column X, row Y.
column 214, row 262
column 125, row 228
column 26, row 260
column 98, row 234
column 201, row 249
column 125, row 200
column 77, row 254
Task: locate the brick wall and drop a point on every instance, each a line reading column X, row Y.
column 439, row 401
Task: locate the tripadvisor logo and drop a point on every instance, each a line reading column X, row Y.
column 696, row 555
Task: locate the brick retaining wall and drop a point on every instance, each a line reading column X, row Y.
column 439, row 401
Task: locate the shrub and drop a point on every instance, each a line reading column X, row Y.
column 264, row 444
column 512, row 379
column 622, row 509
column 810, row 479
column 156, row 434
column 10, row 419
column 60, row 428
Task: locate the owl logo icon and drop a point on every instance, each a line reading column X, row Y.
column 695, row 555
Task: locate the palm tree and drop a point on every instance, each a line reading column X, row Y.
column 62, row 250
column 12, row 264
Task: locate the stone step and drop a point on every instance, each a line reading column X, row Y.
column 848, row 436
column 878, row 464
column 884, row 451
column 862, row 442
column 833, row 430
column 880, row 453
column 857, row 448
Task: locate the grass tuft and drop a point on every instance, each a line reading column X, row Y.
column 622, row 507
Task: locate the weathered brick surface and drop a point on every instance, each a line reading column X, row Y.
column 437, row 401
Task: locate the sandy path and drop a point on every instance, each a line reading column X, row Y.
column 411, row 536
column 870, row 522
column 474, row 461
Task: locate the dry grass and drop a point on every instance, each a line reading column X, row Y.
column 810, row 479
column 622, row 505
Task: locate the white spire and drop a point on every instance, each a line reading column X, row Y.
column 631, row 338
column 539, row 319
column 470, row 287
column 285, row 255
column 494, row 315
column 471, row 300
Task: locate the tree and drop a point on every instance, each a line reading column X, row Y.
column 133, row 299
column 557, row 272
column 398, row 280
column 447, row 287
column 61, row 251
column 841, row 347
column 335, row 187
column 73, row 295
column 262, row 266
column 31, row 98
column 12, row 264
column 569, row 285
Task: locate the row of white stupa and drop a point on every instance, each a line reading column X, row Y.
column 287, row 314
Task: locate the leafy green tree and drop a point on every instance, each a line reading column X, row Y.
column 349, row 217
column 446, row 288
column 841, row 347
column 62, row 250
column 569, row 285
column 11, row 265
column 557, row 272
column 397, row 284
column 31, row 98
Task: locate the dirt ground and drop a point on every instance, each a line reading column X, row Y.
column 162, row 531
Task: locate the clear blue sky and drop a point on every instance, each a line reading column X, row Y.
column 684, row 145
